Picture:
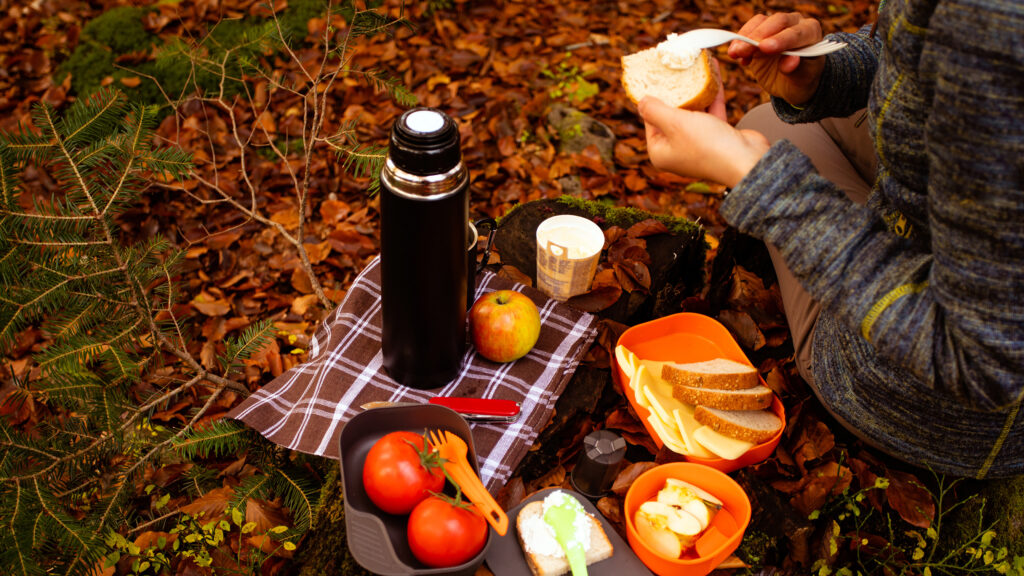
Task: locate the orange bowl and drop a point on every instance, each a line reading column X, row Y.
column 722, row 536
column 689, row 337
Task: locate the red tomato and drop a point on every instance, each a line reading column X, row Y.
column 442, row 533
column 400, row 471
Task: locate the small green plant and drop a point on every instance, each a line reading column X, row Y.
column 855, row 548
column 570, row 83
column 199, row 540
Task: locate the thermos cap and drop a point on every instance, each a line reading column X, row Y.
column 425, row 141
column 599, row 463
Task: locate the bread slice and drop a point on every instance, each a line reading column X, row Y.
column 692, row 88
column 720, row 374
column 546, row 565
column 757, row 398
column 755, row 426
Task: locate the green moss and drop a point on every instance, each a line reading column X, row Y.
column 998, row 503
column 325, row 548
column 120, row 30
column 756, row 547
column 88, row 65
column 295, row 20
column 624, row 217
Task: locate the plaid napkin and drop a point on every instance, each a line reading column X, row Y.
column 305, row 408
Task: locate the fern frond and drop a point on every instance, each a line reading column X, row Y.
column 72, row 355
column 71, row 390
column 245, row 345
column 196, row 478
column 217, row 438
column 92, row 118
column 107, row 408
column 25, row 453
column 298, row 493
column 28, row 146
column 8, row 179
column 70, row 536
column 383, row 82
column 14, row 547
column 365, row 161
column 169, row 162
column 369, row 23
column 255, row 486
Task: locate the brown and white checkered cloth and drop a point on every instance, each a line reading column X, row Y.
column 305, row 408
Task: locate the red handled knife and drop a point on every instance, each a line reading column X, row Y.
column 477, row 409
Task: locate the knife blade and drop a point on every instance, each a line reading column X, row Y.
column 477, row 409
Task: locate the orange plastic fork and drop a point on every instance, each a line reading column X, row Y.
column 453, row 449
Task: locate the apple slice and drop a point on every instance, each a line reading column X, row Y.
column 686, row 526
column 701, row 511
column 697, row 491
column 688, row 498
column 655, row 533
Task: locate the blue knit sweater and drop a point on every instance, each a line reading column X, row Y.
column 920, row 343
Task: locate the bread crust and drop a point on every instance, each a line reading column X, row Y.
column 733, row 429
column 704, row 97
column 756, row 398
column 686, row 375
column 600, row 545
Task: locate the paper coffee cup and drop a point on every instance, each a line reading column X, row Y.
column 568, row 249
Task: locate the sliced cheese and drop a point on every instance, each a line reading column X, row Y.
column 626, row 361
column 640, row 381
column 654, row 367
column 668, row 435
column 687, row 425
column 721, row 445
column 665, row 404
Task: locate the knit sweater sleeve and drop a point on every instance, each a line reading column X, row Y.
column 949, row 310
column 845, row 82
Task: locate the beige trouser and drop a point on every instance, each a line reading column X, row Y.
column 841, row 151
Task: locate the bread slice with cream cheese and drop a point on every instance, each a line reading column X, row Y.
column 693, row 88
column 534, row 539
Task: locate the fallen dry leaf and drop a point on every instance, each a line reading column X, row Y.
column 211, row 306
column 628, row 474
column 910, row 499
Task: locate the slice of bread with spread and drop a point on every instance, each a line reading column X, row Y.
column 719, row 374
column 648, row 73
column 540, row 548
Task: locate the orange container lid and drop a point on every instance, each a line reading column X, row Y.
column 690, row 337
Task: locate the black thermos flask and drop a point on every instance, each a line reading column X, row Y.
column 424, row 210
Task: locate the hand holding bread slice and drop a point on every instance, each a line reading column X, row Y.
column 658, row 72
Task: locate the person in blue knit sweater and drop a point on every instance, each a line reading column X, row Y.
column 902, row 268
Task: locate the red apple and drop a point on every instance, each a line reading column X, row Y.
column 504, row 325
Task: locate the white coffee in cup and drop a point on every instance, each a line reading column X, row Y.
column 568, row 250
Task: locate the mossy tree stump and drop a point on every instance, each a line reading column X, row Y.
column 676, row 257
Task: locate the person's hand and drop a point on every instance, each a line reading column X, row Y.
column 791, row 78
column 699, row 144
